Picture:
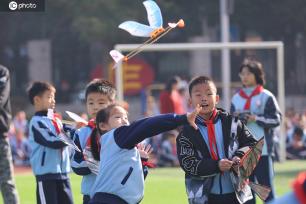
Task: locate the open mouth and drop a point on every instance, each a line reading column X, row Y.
column 204, row 105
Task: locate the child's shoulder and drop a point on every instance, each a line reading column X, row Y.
column 37, row 118
column 83, row 131
column 223, row 114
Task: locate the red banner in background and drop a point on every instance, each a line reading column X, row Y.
column 137, row 74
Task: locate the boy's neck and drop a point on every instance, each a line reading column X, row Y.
column 39, row 109
column 207, row 116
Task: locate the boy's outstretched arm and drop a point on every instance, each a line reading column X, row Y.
column 128, row 136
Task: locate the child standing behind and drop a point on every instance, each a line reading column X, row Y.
column 262, row 115
column 207, row 154
column 98, row 95
column 50, row 156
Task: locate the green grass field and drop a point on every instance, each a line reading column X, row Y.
column 163, row 186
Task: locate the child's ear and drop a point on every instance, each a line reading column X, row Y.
column 189, row 101
column 103, row 126
column 217, row 99
column 36, row 99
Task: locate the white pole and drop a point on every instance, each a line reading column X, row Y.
column 225, row 60
column 119, row 79
column 281, row 98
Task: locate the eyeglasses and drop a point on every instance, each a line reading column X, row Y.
column 244, row 74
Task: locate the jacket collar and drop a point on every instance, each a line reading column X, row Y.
column 41, row 113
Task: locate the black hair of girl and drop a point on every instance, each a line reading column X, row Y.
column 256, row 68
column 173, row 80
column 101, row 117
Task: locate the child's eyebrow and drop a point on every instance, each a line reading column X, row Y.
column 102, row 99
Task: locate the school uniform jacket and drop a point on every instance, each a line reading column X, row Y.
column 120, row 170
column 268, row 115
column 50, row 156
column 78, row 163
column 195, row 159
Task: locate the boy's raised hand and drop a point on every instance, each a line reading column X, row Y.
column 191, row 117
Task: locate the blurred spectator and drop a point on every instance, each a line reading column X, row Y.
column 297, row 149
column 12, row 131
column 167, row 156
column 170, row 99
column 183, row 91
column 20, row 149
column 20, row 122
column 151, row 107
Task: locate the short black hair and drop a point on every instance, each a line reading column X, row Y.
column 38, row 88
column 200, row 80
column 255, row 67
column 298, row 131
column 102, row 86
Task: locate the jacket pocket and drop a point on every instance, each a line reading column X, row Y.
column 43, row 158
column 127, row 176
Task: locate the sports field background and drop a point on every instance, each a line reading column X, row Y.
column 163, row 185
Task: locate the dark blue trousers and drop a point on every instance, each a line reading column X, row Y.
column 106, row 198
column 229, row 198
column 263, row 174
column 86, row 199
column 53, row 192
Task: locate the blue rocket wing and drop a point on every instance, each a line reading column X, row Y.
column 154, row 14
column 136, row 29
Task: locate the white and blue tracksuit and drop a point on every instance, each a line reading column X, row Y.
column 120, row 178
column 49, row 160
column 268, row 116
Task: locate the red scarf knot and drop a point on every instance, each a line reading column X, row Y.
column 255, row 92
column 92, row 123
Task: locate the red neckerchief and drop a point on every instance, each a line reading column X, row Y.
column 211, row 135
column 255, row 92
column 92, row 123
column 298, row 188
column 56, row 125
column 148, row 164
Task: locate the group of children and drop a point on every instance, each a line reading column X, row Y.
column 208, row 146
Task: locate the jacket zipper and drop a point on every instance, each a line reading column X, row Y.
column 220, row 183
column 43, row 158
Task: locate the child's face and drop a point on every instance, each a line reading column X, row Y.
column 95, row 102
column 45, row 101
column 205, row 95
column 247, row 78
column 118, row 117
